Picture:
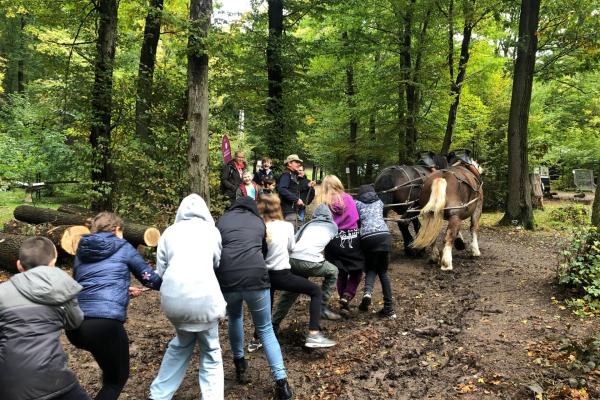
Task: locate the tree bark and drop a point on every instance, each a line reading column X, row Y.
column 143, row 101
column 456, row 86
column 102, row 173
column 21, row 60
column 371, row 159
column 200, row 12
column 353, row 122
column 410, row 130
column 9, row 250
column 596, row 207
column 276, row 128
column 518, row 203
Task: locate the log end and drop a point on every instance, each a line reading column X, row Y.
column 151, row 237
column 71, row 237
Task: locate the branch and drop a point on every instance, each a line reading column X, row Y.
column 70, row 44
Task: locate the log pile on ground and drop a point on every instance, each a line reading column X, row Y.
column 63, row 228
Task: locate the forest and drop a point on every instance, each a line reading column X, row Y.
column 131, row 99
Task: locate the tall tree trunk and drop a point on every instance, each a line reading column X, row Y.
column 409, row 85
column 143, row 101
column 22, row 52
column 102, row 174
column 350, row 92
column 200, row 12
column 276, row 129
column 596, row 205
column 518, row 203
column 371, row 159
column 456, row 86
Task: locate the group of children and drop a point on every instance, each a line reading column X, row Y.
column 204, row 272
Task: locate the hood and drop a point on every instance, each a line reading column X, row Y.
column 245, row 204
column 321, row 216
column 193, row 206
column 368, row 197
column 46, row 285
column 98, row 246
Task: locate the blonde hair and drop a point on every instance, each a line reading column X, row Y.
column 269, row 207
column 106, row 222
column 331, row 191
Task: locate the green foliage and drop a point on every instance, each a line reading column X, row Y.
column 571, row 214
column 580, row 269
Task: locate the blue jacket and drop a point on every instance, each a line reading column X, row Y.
column 102, row 265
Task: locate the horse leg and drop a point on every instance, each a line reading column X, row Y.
column 475, row 230
column 407, row 239
column 453, row 227
column 434, row 254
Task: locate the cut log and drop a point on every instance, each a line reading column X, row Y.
column 75, row 209
column 9, row 250
column 39, row 215
column 537, row 193
column 134, row 233
column 66, row 237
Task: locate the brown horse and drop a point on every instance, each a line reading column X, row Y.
column 452, row 194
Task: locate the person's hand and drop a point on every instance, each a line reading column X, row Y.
column 312, row 184
column 300, row 203
column 135, row 291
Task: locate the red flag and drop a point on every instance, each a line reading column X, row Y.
column 226, row 149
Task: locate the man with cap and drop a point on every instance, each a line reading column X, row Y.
column 289, row 190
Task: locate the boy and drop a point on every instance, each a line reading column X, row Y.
column 41, row 299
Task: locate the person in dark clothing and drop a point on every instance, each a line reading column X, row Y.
column 231, row 175
column 265, row 171
column 306, row 189
column 243, row 277
column 289, row 190
column 35, row 305
column 268, row 186
column 103, row 263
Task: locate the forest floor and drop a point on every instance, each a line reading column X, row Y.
column 494, row 328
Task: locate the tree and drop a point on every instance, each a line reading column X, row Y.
column 143, row 101
column 353, row 122
column 200, row 12
column 276, row 126
column 102, row 173
column 518, row 203
column 596, row 208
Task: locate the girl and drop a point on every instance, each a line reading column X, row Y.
column 344, row 250
column 376, row 242
column 102, row 266
column 280, row 241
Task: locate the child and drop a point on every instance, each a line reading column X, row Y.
column 307, row 260
column 268, row 186
column 35, row 306
column 265, row 171
column 376, row 242
column 280, row 241
column 191, row 298
column 247, row 188
column 102, row 265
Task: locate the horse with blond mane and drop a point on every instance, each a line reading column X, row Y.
column 453, row 194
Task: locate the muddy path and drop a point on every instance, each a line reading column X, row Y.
column 491, row 329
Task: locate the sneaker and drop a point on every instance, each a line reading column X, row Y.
column 326, row 313
column 389, row 314
column 318, row 340
column 365, row 303
column 254, row 345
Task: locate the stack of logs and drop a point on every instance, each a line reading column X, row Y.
column 64, row 227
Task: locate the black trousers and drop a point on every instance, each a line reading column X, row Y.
column 76, row 393
column 107, row 340
column 286, row 280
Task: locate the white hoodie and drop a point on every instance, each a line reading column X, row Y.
column 187, row 254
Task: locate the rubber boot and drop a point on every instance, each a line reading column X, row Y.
column 283, row 391
column 240, row 370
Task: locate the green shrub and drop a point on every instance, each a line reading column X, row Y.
column 580, row 269
column 571, row 214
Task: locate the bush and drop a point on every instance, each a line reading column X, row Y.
column 571, row 214
column 580, row 269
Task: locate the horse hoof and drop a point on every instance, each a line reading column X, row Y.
column 476, row 254
column 459, row 244
column 444, row 268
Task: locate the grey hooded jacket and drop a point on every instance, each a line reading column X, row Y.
column 187, row 254
column 34, row 307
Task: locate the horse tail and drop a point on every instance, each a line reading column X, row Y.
column 432, row 215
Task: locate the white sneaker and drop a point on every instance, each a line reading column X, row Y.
column 254, row 345
column 318, row 340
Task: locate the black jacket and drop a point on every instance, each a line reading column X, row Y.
column 307, row 193
column 289, row 192
column 242, row 266
column 230, row 179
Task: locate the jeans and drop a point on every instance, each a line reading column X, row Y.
column 259, row 305
column 303, row 268
column 176, row 360
column 377, row 265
